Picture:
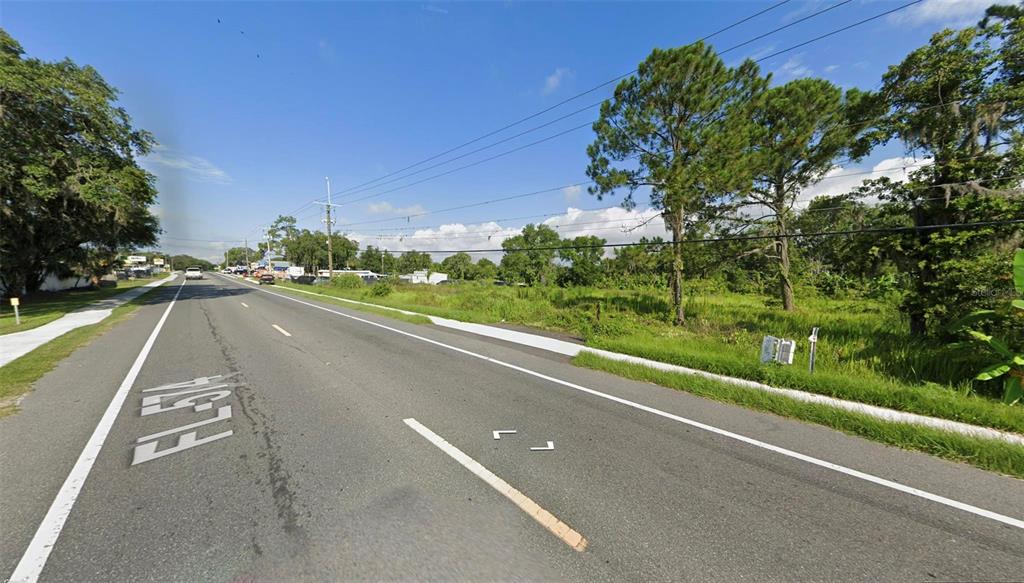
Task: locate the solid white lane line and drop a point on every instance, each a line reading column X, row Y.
column 549, row 521
column 1008, row 520
column 244, row 305
column 281, row 330
column 34, row 559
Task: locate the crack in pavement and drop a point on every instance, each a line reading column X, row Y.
column 279, row 478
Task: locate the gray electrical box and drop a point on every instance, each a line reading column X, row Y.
column 785, row 352
column 778, row 349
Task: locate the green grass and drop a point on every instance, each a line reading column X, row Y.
column 44, row 307
column 863, row 352
column 410, row 318
column 19, row 375
column 988, row 454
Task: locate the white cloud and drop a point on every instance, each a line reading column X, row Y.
column 434, row 9
column 195, row 167
column 842, row 180
column 830, row 68
column 572, row 193
column 793, row 67
column 804, row 9
column 553, row 81
column 953, row 13
column 762, row 52
column 612, row 224
column 386, row 208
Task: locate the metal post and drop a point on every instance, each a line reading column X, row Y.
column 246, row 252
column 814, row 344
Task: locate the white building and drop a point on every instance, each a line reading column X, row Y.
column 424, row 276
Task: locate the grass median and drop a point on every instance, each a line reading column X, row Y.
column 988, row 454
column 18, row 376
column 45, row 307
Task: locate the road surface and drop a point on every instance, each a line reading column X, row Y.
column 306, row 441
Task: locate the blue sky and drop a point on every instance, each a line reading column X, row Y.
column 253, row 104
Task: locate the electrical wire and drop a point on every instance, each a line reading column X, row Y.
column 867, row 231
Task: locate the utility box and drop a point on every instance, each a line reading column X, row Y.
column 785, row 352
column 780, row 350
column 768, row 347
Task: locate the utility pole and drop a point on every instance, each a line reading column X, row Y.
column 330, row 244
column 247, row 253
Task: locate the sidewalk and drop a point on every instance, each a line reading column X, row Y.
column 18, row 344
column 571, row 349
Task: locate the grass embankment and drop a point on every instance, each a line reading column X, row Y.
column 985, row 453
column 44, row 307
column 863, row 352
column 18, row 376
column 410, row 318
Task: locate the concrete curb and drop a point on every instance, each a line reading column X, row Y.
column 18, row 344
column 571, row 349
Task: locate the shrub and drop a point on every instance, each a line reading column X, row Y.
column 347, row 281
column 381, row 288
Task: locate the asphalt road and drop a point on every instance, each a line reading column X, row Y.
column 307, row 467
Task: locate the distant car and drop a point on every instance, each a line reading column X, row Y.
column 267, row 278
column 194, row 273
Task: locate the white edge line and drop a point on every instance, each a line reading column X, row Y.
column 569, row 349
column 549, row 521
column 281, row 330
column 1008, row 520
column 34, row 559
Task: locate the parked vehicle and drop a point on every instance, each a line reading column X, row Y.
column 267, row 278
column 193, row 273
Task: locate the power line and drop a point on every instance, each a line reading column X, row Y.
column 641, row 218
column 785, row 26
column 559, row 104
column 546, row 124
column 359, row 188
column 471, row 164
column 502, row 220
column 470, row 205
column 867, row 231
column 843, row 29
column 820, row 37
column 471, row 152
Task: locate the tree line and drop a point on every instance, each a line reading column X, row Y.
column 717, row 149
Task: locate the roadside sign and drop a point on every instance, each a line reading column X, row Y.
column 15, row 301
column 17, row 316
column 158, row 261
column 136, row 259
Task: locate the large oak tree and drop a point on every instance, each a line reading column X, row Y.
column 70, row 188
